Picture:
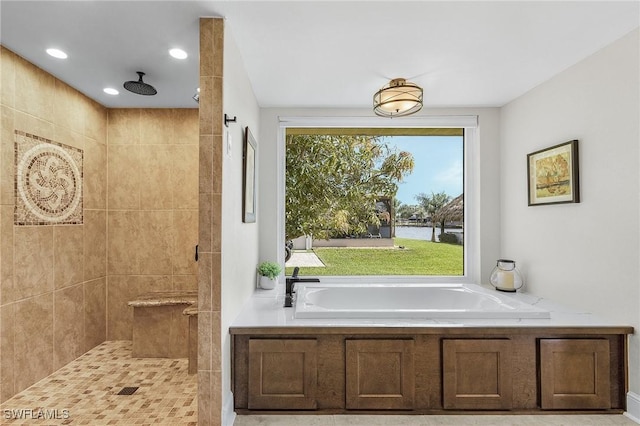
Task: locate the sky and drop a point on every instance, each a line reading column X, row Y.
column 438, row 165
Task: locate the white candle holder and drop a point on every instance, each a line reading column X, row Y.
column 506, row 277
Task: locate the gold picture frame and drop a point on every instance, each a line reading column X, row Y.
column 553, row 175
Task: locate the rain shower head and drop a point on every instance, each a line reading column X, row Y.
column 140, row 87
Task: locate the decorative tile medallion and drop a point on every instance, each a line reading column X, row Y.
column 48, row 181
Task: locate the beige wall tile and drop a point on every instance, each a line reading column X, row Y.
column 95, row 244
column 185, row 126
column 185, row 226
column 7, row 336
column 120, row 290
column 205, row 262
column 205, row 224
column 7, row 77
column 95, row 175
column 68, row 325
column 204, row 398
column 7, row 292
column 156, row 126
column 206, row 164
column 206, row 104
column 216, row 360
column 68, row 255
column 95, row 121
column 185, row 283
column 68, row 137
column 185, row 177
column 33, row 260
column 95, row 313
column 156, row 242
column 155, row 167
column 123, row 233
column 216, row 280
column 123, row 189
column 36, row 89
column 207, row 40
column 204, row 341
column 209, row 398
column 123, row 127
column 33, row 340
column 68, row 108
column 7, row 155
column 34, row 125
column 216, row 222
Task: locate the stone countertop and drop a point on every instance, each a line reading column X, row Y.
column 191, row 310
column 265, row 309
column 164, row 298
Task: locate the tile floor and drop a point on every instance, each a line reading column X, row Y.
column 85, row 392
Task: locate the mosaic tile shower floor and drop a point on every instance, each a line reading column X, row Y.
column 85, row 392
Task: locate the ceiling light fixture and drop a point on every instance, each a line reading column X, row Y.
column 110, row 91
column 57, row 53
column 178, row 53
column 397, row 99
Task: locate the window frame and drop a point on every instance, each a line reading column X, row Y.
column 471, row 164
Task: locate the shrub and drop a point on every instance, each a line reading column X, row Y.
column 448, row 238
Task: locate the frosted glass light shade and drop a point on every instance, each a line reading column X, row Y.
column 397, row 99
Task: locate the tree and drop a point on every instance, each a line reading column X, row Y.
column 332, row 182
column 405, row 211
column 431, row 204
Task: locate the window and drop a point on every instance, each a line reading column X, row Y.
column 359, row 210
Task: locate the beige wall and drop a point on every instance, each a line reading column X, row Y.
column 52, row 278
column 210, row 222
column 152, row 207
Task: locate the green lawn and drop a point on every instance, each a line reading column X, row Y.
column 417, row 258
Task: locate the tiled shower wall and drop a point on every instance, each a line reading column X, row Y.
column 52, row 277
column 152, row 213
column 64, row 288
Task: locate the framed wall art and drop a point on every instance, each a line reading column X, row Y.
column 553, row 175
column 249, row 178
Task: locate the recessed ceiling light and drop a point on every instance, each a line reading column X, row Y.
column 57, row 53
column 178, row 53
column 110, row 91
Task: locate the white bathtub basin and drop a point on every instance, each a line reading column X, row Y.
column 427, row 301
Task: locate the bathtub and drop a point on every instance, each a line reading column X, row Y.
column 426, row 301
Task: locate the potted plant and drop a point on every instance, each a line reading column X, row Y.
column 268, row 272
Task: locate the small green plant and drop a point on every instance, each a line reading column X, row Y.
column 269, row 269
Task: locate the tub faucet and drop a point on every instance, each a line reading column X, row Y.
column 290, row 283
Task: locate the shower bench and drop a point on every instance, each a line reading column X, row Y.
column 160, row 325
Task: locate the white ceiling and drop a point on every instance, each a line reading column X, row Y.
column 318, row 53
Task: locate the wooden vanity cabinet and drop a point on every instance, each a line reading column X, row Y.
column 282, row 374
column 379, row 374
column 575, row 374
column 476, row 374
column 429, row 370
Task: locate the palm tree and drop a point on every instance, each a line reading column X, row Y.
column 431, row 204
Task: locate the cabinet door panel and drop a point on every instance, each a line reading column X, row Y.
column 282, row 374
column 380, row 374
column 574, row 374
column 476, row 374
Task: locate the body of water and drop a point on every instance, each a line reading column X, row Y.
column 420, row 232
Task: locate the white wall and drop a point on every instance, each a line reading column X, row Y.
column 239, row 240
column 585, row 255
column 487, row 175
